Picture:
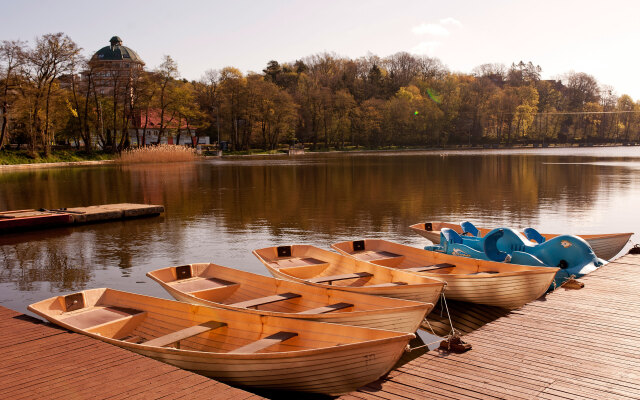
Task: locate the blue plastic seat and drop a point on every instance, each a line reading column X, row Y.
column 534, row 235
column 468, row 227
column 451, row 236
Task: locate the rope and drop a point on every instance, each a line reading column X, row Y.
column 409, row 350
column 430, row 328
column 444, row 300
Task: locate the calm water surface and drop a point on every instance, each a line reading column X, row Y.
column 220, row 210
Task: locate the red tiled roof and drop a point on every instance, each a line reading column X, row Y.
column 154, row 120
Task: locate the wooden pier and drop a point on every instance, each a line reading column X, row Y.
column 41, row 361
column 11, row 221
column 571, row 344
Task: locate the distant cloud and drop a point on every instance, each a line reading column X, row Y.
column 451, row 21
column 430, row 29
column 437, row 29
column 426, row 47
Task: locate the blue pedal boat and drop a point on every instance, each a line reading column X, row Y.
column 571, row 254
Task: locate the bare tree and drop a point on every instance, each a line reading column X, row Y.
column 52, row 56
column 167, row 73
column 11, row 60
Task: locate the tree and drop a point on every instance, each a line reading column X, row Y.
column 167, row 73
column 233, row 95
column 52, row 56
column 11, row 58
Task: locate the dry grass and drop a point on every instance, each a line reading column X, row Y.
column 164, row 153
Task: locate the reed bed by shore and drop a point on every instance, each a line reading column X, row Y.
column 163, row 153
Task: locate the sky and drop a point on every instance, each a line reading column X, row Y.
column 595, row 37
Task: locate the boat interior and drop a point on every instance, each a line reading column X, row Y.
column 149, row 321
column 316, row 265
column 217, row 284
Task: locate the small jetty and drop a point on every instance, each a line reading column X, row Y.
column 570, row 344
column 11, row 221
column 41, row 361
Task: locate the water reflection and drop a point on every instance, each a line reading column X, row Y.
column 220, row 210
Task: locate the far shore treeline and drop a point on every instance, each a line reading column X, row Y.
column 48, row 96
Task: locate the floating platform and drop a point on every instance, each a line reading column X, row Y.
column 41, row 361
column 11, row 221
column 570, row 344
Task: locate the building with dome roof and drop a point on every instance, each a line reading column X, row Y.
column 114, row 67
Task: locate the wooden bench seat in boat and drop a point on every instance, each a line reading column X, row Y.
column 327, row 309
column 266, row 300
column 430, row 267
column 297, row 262
column 185, row 333
column 331, row 278
column 370, row 255
column 90, row 317
column 263, row 343
column 198, row 284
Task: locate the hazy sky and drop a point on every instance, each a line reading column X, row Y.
column 596, row 37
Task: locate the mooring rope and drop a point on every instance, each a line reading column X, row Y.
column 444, row 300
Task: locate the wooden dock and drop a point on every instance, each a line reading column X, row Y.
column 572, row 344
column 41, row 361
column 11, row 221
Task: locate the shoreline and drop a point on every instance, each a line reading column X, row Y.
column 90, row 163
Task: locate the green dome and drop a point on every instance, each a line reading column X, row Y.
column 116, row 52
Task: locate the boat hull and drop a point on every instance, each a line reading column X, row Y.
column 322, row 358
column 605, row 246
column 471, row 280
column 396, row 317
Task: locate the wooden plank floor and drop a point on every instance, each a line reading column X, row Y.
column 572, row 344
column 41, row 361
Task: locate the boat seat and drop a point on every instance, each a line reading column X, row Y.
column 451, row 236
column 327, row 309
column 198, row 284
column 297, row 262
column 429, row 267
column 185, row 333
column 266, row 300
column 534, row 235
column 370, row 255
column 389, row 284
column 469, row 228
column 331, row 278
column 86, row 318
column 263, row 343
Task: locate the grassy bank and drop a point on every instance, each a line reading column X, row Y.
column 13, row 157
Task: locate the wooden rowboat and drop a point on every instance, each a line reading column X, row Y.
column 232, row 346
column 606, row 246
column 468, row 279
column 322, row 268
column 11, row 221
column 217, row 286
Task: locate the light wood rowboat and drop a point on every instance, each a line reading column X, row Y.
column 322, row 268
column 468, row 279
column 236, row 347
column 217, row 286
column 606, row 245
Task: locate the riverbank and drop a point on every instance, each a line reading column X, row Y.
column 67, row 159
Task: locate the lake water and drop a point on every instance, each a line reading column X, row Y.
column 220, row 210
